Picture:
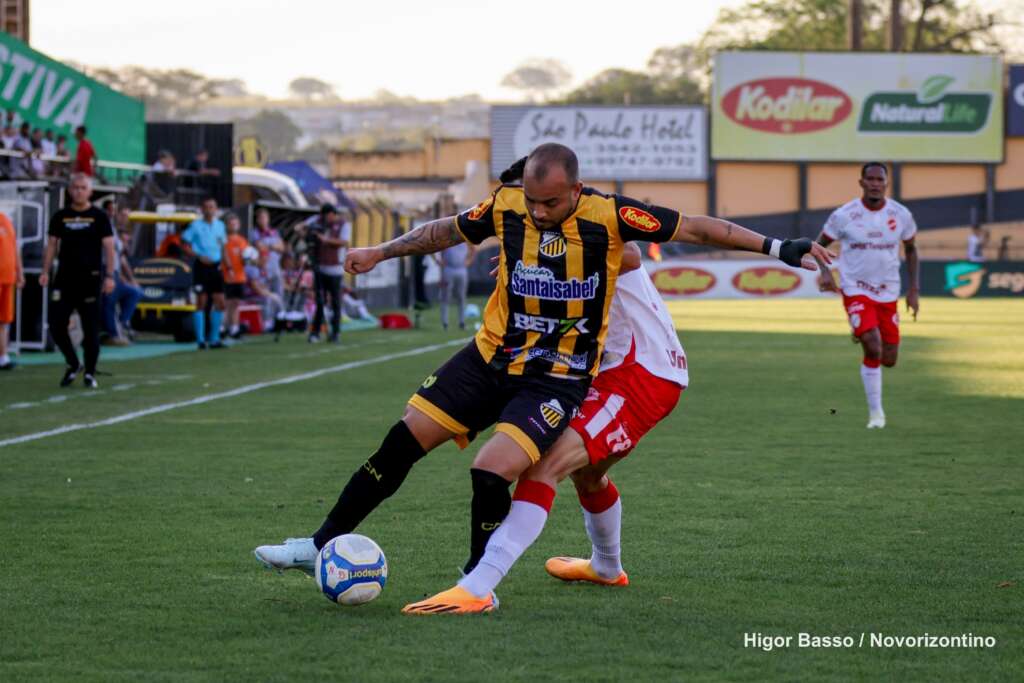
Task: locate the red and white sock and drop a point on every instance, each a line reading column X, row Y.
column 602, row 515
column 531, row 504
column 871, row 376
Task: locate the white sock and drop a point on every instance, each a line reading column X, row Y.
column 517, row 532
column 234, row 329
column 872, row 378
column 5, row 359
column 605, row 531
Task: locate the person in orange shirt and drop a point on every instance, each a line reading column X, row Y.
column 170, row 246
column 11, row 277
column 234, row 272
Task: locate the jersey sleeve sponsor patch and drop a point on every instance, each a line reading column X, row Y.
column 645, row 222
column 477, row 224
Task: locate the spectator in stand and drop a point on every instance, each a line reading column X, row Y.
column 82, row 237
column 48, row 143
column 233, row 266
column 11, row 277
column 85, row 157
column 12, row 119
column 165, row 163
column 198, row 165
column 61, row 168
column 21, row 167
column 127, row 292
column 170, row 246
column 163, row 183
column 1004, row 249
column 9, row 137
column 454, row 262
column 37, row 167
column 271, row 248
column 327, row 239
column 977, row 240
column 204, row 239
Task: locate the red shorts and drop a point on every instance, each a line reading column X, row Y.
column 6, row 304
column 622, row 405
column 866, row 314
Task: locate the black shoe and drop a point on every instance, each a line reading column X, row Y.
column 201, row 346
column 218, row 345
column 9, row 365
column 69, row 376
column 462, row 326
column 90, row 382
column 334, row 339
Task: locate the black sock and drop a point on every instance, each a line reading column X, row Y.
column 377, row 479
column 491, row 503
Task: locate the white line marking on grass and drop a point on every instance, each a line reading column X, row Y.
column 163, row 408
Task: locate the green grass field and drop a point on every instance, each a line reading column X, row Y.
column 762, row 505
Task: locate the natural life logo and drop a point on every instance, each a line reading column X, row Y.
column 929, row 110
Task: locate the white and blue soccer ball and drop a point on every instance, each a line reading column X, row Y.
column 351, row 570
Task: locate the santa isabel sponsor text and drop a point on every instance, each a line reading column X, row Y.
column 768, row 642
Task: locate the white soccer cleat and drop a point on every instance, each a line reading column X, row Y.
column 876, row 420
column 294, row 553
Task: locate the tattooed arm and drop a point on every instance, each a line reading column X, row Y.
column 717, row 232
column 426, row 239
column 724, row 234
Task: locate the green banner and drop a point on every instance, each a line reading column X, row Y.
column 50, row 95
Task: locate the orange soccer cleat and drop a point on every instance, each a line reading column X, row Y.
column 455, row 600
column 577, row 569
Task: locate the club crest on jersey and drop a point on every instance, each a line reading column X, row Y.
column 552, row 412
column 639, row 219
column 540, row 283
column 552, row 245
column 480, row 209
column 892, row 223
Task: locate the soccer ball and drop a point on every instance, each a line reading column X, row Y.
column 351, row 570
column 250, row 254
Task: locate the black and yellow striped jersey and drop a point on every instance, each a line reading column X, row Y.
column 549, row 310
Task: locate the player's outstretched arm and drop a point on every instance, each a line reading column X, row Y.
column 426, row 239
column 717, row 232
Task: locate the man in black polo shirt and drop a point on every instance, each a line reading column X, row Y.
column 83, row 242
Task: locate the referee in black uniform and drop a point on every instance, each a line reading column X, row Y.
column 83, row 242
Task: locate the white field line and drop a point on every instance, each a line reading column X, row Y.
column 163, row 408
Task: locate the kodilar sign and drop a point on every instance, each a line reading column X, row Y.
column 789, row 106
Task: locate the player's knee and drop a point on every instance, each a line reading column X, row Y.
column 589, row 480
column 872, row 347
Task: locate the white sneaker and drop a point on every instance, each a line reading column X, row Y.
column 876, row 420
column 294, row 553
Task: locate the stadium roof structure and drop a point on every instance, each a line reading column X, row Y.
column 312, row 184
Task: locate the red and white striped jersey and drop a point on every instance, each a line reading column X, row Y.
column 640, row 330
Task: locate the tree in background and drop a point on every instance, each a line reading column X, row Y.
column 309, row 88
column 169, row 94
column 276, row 132
column 928, row 26
column 538, row 78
